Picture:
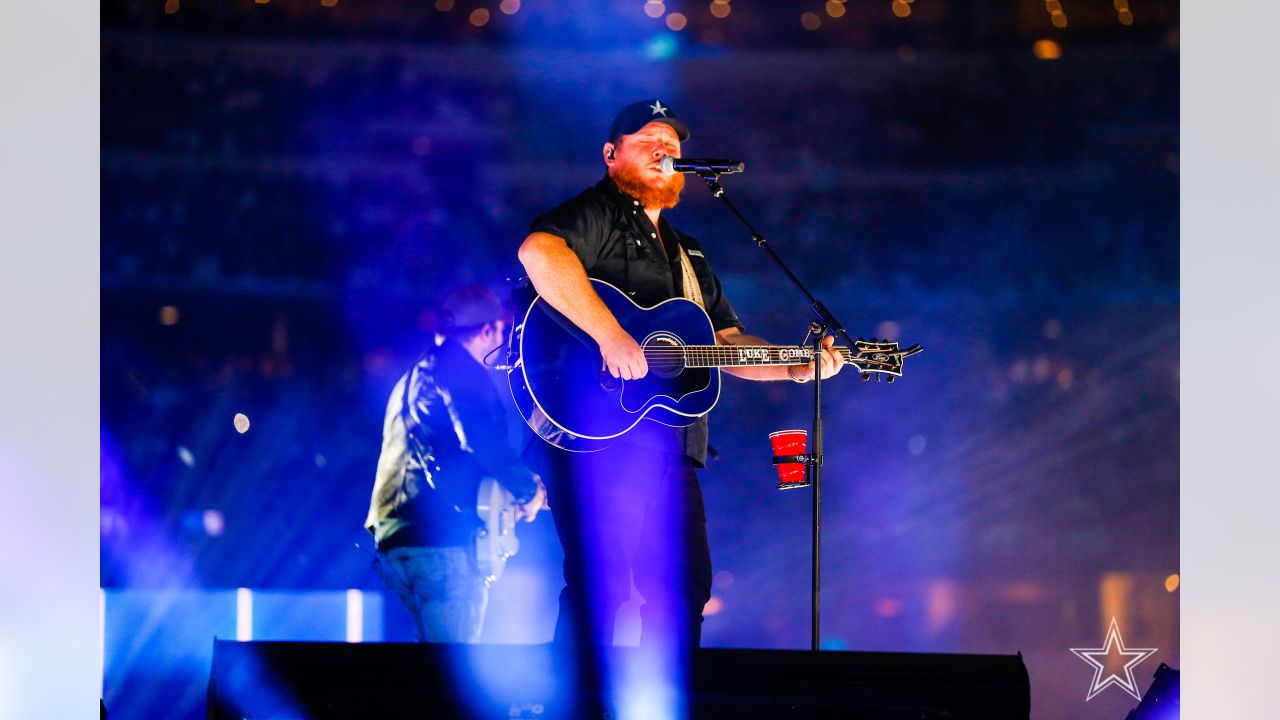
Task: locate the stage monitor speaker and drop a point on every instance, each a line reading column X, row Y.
column 401, row 680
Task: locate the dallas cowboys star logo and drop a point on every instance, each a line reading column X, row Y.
column 657, row 108
column 1113, row 645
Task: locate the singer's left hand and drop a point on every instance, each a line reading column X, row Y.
column 832, row 360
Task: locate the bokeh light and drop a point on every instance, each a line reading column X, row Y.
column 887, row 607
column 214, row 522
column 1066, row 377
column 888, row 330
column 169, row 315
column 713, row 606
column 1047, row 49
column 916, row 445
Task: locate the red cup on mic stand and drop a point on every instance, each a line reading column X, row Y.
column 790, row 459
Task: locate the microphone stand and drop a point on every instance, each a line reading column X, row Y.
column 818, row 329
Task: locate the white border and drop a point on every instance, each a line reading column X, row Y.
column 1229, row 162
column 49, row 506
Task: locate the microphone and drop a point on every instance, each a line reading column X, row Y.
column 673, row 165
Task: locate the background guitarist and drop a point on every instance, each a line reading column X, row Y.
column 635, row 508
column 444, row 431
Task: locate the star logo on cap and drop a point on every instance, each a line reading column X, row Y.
column 657, row 108
column 1113, row 645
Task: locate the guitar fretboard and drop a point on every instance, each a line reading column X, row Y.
column 738, row 355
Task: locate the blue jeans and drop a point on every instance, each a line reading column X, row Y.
column 441, row 588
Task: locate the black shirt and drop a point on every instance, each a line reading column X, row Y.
column 617, row 243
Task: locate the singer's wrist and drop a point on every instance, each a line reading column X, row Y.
column 791, row 373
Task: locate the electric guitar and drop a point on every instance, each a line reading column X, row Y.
column 568, row 398
column 496, row 538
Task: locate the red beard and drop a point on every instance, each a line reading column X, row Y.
column 653, row 192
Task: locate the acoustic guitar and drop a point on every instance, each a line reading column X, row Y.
column 568, row 398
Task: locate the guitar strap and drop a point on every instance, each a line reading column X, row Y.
column 692, row 291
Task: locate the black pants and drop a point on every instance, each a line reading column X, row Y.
column 623, row 512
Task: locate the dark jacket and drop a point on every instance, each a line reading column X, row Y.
column 445, row 429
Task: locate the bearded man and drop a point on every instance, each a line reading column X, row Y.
column 635, row 509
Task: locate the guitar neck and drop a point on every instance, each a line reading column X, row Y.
column 745, row 355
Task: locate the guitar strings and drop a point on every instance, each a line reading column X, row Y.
column 686, row 356
column 727, row 351
column 771, row 354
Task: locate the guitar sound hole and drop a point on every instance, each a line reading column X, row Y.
column 664, row 356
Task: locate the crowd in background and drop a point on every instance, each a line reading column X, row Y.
column 230, row 167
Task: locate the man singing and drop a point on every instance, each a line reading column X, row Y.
column 635, row 509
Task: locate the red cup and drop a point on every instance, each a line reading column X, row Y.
column 789, row 442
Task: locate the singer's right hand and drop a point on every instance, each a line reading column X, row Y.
column 624, row 357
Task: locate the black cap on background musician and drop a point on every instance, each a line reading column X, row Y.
column 468, row 307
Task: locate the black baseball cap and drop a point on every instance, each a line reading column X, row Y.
column 470, row 305
column 636, row 115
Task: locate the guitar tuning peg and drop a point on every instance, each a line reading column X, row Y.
column 866, row 377
column 874, row 340
column 891, row 379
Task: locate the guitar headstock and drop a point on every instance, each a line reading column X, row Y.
column 878, row 357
